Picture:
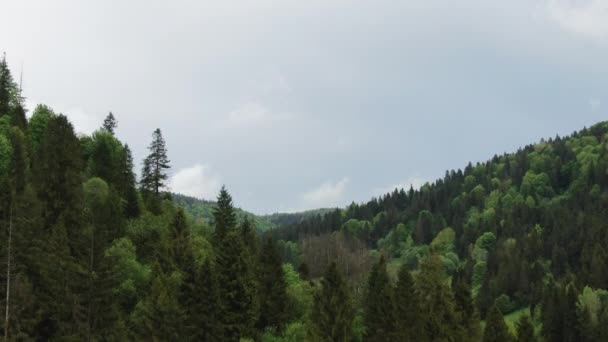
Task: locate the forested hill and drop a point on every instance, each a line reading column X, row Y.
column 201, row 211
column 528, row 229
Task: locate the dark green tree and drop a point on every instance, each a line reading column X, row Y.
column 202, row 305
column 465, row 308
column 496, row 329
column 272, row 288
column 525, row 330
column 8, row 89
column 378, row 305
column 225, row 218
column 154, row 171
column 407, row 308
column 332, row 312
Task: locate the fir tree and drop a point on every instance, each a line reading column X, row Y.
column 110, row 123
column 525, row 330
column 496, row 329
column 407, row 306
column 128, row 188
column 332, row 312
column 378, row 305
column 272, row 288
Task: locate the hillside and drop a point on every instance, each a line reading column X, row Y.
column 525, row 228
column 202, row 211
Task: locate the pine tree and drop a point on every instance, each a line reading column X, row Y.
column 496, row 329
column 332, row 312
column 250, row 237
column 379, row 306
column 154, row 171
column 272, row 289
column 181, row 243
column 110, row 123
column 525, row 330
column 407, row 306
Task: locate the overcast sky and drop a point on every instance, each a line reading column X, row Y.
column 303, row 104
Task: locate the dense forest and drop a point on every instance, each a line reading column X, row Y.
column 512, row 249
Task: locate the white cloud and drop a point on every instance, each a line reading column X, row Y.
column 585, row 17
column 197, row 181
column 327, row 195
column 415, row 182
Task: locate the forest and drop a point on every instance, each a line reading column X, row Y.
column 511, row 249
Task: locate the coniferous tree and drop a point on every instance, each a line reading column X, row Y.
column 225, row 218
column 8, row 89
column 110, row 123
column 525, row 330
column 332, row 312
column 378, row 305
column 237, row 312
column 438, row 312
column 407, row 305
column 202, row 305
column 272, row 288
column 496, row 329
column 154, row 171
column 465, row 308
column 129, row 190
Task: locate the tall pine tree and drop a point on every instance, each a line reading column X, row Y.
column 272, row 288
column 154, row 171
column 407, row 306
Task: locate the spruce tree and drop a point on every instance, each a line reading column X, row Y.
column 465, row 308
column 223, row 213
column 110, row 123
column 438, row 312
column 154, row 171
column 407, row 305
column 181, row 243
column 128, row 188
column 496, row 329
column 202, row 305
column 332, row 312
column 272, row 288
column 525, row 330
column 8, row 89
column 237, row 312
column 379, row 305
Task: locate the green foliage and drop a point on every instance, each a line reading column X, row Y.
column 378, row 305
column 525, row 330
column 272, row 289
column 409, row 324
column 332, row 312
column 496, row 330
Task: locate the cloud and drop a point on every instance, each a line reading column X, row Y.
column 585, row 17
column 415, row 182
column 196, row 181
column 327, row 195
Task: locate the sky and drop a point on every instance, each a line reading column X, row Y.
column 296, row 105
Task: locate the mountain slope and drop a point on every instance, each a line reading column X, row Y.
column 508, row 226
